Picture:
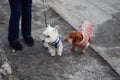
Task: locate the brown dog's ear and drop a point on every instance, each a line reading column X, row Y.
column 66, row 39
column 72, row 34
column 78, row 38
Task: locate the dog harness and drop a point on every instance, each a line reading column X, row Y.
column 86, row 29
column 55, row 43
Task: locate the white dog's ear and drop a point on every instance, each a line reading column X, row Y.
column 57, row 27
column 55, row 30
column 48, row 25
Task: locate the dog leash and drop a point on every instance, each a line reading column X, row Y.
column 45, row 17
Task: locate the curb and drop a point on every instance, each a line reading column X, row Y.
column 105, row 61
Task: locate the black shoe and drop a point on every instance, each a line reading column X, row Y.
column 29, row 40
column 16, row 45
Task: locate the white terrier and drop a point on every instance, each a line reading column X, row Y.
column 52, row 40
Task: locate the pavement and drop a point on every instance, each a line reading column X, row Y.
column 35, row 63
column 105, row 17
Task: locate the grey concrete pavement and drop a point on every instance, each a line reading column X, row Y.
column 107, row 41
column 36, row 63
column 105, row 17
column 74, row 12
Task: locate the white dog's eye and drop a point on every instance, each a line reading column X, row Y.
column 47, row 36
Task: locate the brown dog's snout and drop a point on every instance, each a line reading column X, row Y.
column 66, row 40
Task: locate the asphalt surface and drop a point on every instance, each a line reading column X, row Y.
column 35, row 63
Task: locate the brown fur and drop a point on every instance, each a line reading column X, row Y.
column 75, row 35
column 76, row 38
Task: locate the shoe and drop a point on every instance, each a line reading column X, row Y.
column 16, row 45
column 29, row 40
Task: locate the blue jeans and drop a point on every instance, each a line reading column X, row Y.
column 23, row 9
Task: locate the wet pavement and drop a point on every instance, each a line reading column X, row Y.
column 35, row 63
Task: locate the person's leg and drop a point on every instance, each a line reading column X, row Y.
column 26, row 17
column 13, row 31
column 26, row 21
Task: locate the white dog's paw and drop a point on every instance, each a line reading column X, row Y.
column 53, row 54
column 60, row 54
column 45, row 45
column 51, row 51
column 60, row 49
column 2, row 71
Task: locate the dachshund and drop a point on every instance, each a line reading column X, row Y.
column 80, row 37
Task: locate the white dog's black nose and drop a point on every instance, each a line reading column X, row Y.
column 43, row 40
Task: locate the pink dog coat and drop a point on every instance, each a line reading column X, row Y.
column 86, row 29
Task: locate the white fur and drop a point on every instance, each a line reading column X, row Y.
column 50, row 34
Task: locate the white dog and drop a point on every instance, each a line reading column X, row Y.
column 52, row 40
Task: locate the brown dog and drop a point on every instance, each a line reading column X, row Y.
column 81, row 37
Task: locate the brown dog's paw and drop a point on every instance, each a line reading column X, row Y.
column 73, row 49
column 83, row 51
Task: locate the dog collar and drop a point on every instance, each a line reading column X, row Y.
column 55, row 43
